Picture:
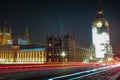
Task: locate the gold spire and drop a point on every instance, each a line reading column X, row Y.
column 0, row 30
column 26, row 33
column 5, row 28
column 26, row 36
column 10, row 30
column 100, row 10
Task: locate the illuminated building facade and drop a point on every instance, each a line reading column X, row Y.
column 31, row 54
column 56, row 45
column 7, row 54
column 26, row 54
column 85, row 54
column 100, row 36
column 5, row 35
column 19, row 50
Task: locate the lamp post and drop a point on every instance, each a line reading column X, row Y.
column 63, row 57
column 91, row 58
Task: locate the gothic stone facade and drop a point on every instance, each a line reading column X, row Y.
column 56, row 45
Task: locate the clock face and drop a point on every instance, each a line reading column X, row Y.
column 99, row 24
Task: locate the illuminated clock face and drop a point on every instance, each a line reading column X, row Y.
column 99, row 24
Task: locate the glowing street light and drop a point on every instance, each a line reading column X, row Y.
column 63, row 56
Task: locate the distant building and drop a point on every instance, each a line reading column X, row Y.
column 6, row 37
column 22, row 41
column 19, row 41
column 26, row 36
column 57, row 45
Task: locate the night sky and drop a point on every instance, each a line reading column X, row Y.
column 59, row 16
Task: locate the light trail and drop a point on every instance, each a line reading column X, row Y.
column 78, row 73
column 42, row 65
column 88, row 74
column 27, row 69
column 33, row 69
column 109, row 67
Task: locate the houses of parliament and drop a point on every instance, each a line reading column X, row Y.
column 20, row 51
column 58, row 48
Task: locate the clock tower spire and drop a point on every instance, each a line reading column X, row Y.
column 100, row 10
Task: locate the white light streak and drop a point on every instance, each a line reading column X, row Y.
column 87, row 71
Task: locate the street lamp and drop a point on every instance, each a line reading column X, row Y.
column 63, row 56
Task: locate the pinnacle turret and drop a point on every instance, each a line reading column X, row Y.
column 99, row 10
column 26, row 36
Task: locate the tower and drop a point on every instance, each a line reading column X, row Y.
column 26, row 36
column 100, row 36
column 5, row 35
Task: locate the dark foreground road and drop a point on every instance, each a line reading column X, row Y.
column 77, row 72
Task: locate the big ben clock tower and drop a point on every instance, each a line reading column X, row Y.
column 100, row 36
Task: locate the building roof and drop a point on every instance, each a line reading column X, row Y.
column 31, row 47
